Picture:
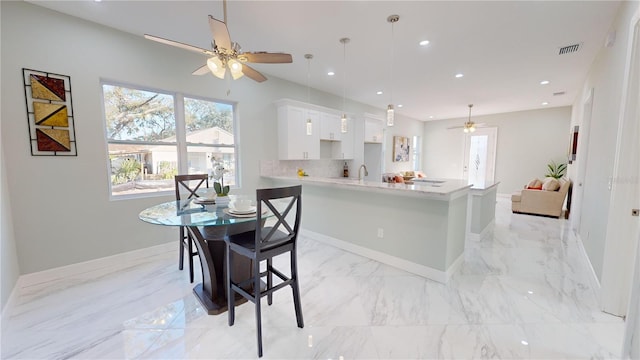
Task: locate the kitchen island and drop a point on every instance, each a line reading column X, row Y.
column 420, row 228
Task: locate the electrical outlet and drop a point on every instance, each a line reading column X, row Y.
column 380, row 232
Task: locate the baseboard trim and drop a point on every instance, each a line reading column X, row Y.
column 421, row 270
column 479, row 236
column 112, row 262
column 593, row 279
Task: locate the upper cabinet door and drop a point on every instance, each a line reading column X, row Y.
column 294, row 142
column 373, row 130
column 330, row 127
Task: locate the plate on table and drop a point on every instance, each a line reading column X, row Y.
column 203, row 201
column 229, row 211
column 250, row 210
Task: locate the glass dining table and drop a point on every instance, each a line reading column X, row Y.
column 208, row 224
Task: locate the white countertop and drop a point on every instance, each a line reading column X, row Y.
column 439, row 189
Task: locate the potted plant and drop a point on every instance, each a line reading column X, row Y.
column 555, row 170
column 217, row 173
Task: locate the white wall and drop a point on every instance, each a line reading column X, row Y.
column 63, row 214
column 606, row 78
column 9, row 270
column 400, row 128
column 527, row 142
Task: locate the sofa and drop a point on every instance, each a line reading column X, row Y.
column 541, row 197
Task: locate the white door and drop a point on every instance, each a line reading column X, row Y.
column 581, row 165
column 480, row 156
column 623, row 225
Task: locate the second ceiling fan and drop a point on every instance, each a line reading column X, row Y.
column 226, row 54
column 469, row 126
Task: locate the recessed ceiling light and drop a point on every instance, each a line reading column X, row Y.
column 544, row 82
column 524, row 342
column 399, row 105
column 424, row 42
column 331, row 73
column 545, row 103
column 431, row 117
column 459, row 75
column 379, row 93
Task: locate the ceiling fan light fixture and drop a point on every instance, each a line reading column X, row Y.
column 217, row 68
column 469, row 126
column 236, row 69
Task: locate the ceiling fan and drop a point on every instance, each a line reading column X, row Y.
column 226, row 54
column 469, row 126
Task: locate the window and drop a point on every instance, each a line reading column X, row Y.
column 417, row 153
column 152, row 136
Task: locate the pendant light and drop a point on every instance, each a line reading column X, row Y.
column 343, row 119
column 309, row 123
column 390, row 111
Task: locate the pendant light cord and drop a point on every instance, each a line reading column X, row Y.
column 344, row 74
column 393, row 45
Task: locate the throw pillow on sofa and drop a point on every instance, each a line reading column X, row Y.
column 534, row 184
column 551, row 184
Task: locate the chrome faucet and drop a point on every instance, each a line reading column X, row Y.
column 366, row 173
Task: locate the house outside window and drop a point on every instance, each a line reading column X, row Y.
column 153, row 136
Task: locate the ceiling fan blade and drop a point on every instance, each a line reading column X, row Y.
column 203, row 70
column 179, row 44
column 220, row 33
column 252, row 73
column 265, row 57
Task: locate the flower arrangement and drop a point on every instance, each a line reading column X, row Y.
column 217, row 173
column 302, row 173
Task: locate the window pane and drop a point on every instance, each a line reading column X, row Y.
column 138, row 115
column 202, row 159
column 208, row 122
column 139, row 169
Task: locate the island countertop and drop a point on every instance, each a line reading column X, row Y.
column 438, row 189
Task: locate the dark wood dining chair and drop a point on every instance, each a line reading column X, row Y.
column 264, row 243
column 189, row 184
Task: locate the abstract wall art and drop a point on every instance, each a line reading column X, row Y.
column 49, row 113
column 400, row 148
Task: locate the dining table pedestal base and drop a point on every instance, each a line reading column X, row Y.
column 212, row 292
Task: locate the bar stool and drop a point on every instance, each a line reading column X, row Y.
column 262, row 244
column 184, row 183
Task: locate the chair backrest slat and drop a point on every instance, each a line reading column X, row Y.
column 182, row 182
column 266, row 197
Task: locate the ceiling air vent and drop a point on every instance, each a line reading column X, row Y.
column 569, row 49
column 558, row 93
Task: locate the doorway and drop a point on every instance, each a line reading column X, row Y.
column 480, row 156
column 581, row 170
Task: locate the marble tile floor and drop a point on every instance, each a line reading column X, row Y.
column 523, row 292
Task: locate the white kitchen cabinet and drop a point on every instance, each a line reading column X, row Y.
column 330, row 126
column 345, row 149
column 373, row 130
column 293, row 141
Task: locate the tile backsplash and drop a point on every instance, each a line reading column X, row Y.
column 317, row 168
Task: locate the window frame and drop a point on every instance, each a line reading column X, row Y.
column 181, row 145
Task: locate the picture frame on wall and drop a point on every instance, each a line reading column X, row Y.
column 573, row 144
column 401, row 149
column 49, row 113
